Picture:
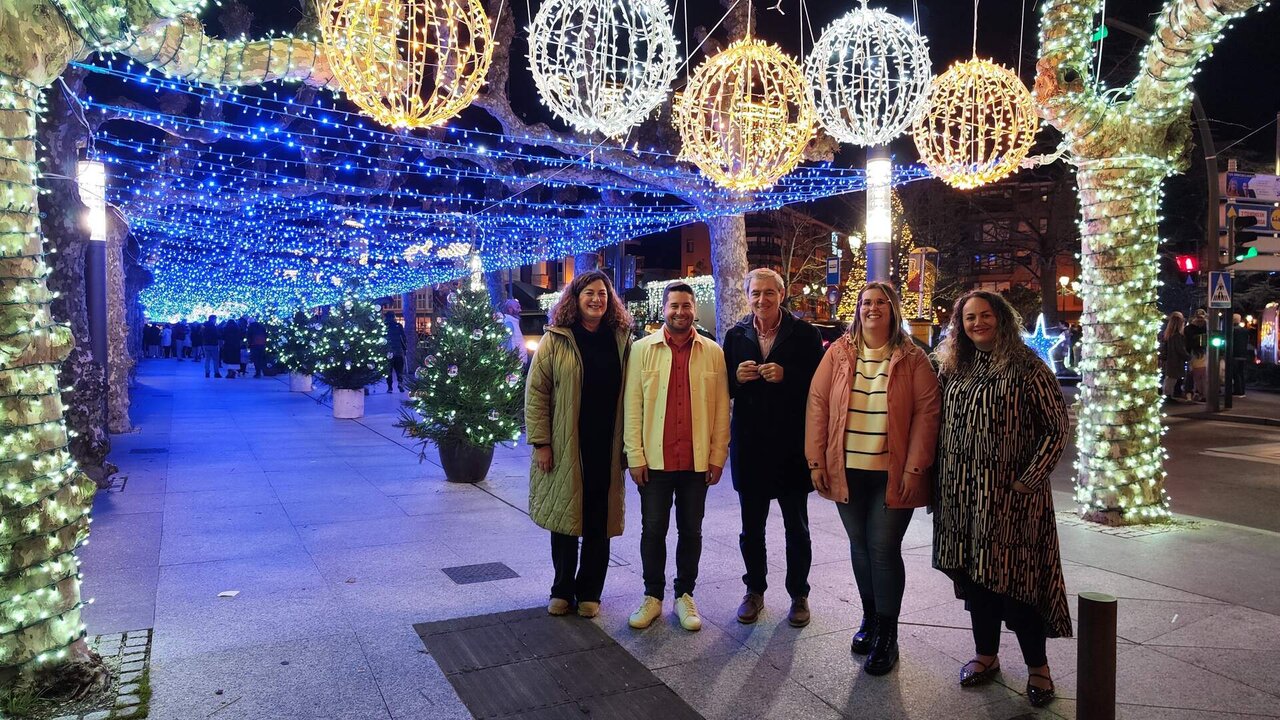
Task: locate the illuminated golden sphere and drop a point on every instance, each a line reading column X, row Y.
column 979, row 125
column 408, row 63
column 745, row 117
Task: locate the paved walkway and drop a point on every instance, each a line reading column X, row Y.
column 334, row 537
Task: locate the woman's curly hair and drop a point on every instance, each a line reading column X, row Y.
column 565, row 312
column 956, row 351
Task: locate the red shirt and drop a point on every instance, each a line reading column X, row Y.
column 677, row 425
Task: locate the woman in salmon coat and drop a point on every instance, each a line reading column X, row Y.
column 870, row 436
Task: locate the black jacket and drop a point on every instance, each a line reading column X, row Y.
column 232, row 341
column 766, row 442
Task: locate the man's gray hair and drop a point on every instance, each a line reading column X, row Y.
column 763, row 273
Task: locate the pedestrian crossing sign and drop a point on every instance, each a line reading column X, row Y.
column 1220, row 290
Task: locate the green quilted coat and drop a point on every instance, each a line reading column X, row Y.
column 551, row 403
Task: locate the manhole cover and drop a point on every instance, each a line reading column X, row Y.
column 148, row 451
column 484, row 572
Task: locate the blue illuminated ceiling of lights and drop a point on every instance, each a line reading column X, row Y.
column 260, row 199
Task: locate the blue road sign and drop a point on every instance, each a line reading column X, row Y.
column 833, row 271
column 1220, row 290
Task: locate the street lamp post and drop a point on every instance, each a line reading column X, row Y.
column 91, row 181
column 1063, row 283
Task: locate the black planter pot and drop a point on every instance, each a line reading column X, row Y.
column 465, row 463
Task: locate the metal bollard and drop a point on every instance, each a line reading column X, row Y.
column 1096, row 658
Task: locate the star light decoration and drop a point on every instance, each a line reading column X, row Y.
column 408, row 63
column 868, row 76
column 603, row 65
column 979, row 124
column 1043, row 343
column 745, row 117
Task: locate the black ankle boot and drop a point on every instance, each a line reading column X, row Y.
column 884, row 648
column 861, row 644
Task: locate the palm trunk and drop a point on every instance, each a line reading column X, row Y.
column 44, row 499
column 729, row 268
column 1120, row 473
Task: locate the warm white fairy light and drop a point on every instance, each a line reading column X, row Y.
column 745, row 117
column 603, row 65
column 868, row 76
column 1124, row 145
column 408, row 63
column 979, row 125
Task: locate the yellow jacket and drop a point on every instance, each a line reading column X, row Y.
column 645, row 402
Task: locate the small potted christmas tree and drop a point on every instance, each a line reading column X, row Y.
column 292, row 340
column 351, row 349
column 468, row 394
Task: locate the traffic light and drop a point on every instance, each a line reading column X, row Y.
column 1188, row 263
column 1238, row 249
column 1217, row 341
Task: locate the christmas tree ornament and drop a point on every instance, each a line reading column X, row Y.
column 979, row 125
column 745, row 117
column 408, row 63
column 868, row 76
column 603, row 65
column 453, row 371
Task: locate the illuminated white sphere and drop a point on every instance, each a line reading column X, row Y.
column 603, row 65
column 868, row 76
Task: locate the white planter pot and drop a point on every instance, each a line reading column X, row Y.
column 348, row 404
column 299, row 383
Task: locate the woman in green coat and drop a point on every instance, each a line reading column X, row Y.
column 573, row 417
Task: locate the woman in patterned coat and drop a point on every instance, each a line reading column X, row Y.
column 1004, row 427
column 573, row 419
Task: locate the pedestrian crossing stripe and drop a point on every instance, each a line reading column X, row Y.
column 1221, row 297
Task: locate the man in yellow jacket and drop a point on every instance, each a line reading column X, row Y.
column 676, row 438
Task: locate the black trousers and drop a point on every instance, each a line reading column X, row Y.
column 581, row 578
column 395, row 366
column 751, row 541
column 1235, row 375
column 988, row 609
column 689, row 492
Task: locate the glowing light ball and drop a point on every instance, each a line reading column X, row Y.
column 745, row 117
column 979, row 124
column 408, row 63
column 868, row 76
column 602, row 65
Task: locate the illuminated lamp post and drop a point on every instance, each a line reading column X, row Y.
column 91, row 179
column 879, row 230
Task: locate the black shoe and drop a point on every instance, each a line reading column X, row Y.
column 1039, row 697
column 980, row 675
column 861, row 644
column 884, row 649
column 206, row 374
column 217, row 375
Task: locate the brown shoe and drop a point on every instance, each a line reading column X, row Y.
column 798, row 616
column 749, row 610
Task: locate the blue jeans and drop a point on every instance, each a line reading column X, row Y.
column 211, row 359
column 795, row 522
column 875, row 542
column 689, row 491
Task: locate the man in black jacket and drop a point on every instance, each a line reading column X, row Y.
column 771, row 357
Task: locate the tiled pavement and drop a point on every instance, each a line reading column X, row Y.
column 334, row 536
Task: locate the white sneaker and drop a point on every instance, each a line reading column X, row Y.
column 648, row 611
column 687, row 611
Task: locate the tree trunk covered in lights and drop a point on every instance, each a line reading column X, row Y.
column 44, row 499
column 729, row 268
column 1123, row 150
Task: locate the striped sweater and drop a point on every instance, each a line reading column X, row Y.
column 866, row 430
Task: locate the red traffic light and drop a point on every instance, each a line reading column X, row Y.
column 1188, row 263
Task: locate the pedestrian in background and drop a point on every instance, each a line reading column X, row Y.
column 256, row 337
column 197, row 340
column 232, row 344
column 1004, row 427
column 151, row 340
column 181, row 340
column 511, row 318
column 573, row 416
column 1174, row 355
column 676, row 435
column 1197, row 334
column 870, row 437
column 1241, row 354
column 771, row 357
column 211, row 336
column 166, row 341
column 396, row 345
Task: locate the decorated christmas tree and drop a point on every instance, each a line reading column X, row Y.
column 292, row 339
column 469, row 389
column 350, row 345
